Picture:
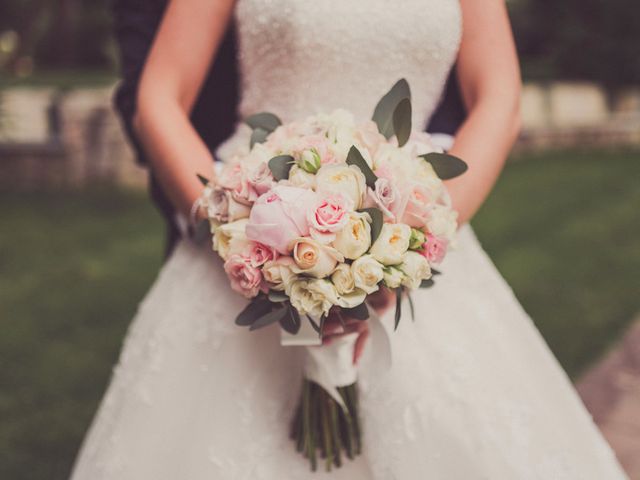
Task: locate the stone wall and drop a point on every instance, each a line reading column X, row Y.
column 69, row 139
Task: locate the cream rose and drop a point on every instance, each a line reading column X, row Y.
column 342, row 180
column 392, row 243
column 314, row 259
column 279, row 273
column 299, row 178
column 415, row 268
column 230, row 238
column 393, row 277
column 312, row 296
column 343, row 279
column 355, row 238
column 442, row 222
column 367, row 273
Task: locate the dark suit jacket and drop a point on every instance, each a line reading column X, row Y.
column 214, row 115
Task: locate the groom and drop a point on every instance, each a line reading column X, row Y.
column 214, row 115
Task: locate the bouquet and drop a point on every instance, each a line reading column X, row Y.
column 316, row 216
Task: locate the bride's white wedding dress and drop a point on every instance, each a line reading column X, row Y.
column 473, row 391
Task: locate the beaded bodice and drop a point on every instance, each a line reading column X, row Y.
column 299, row 57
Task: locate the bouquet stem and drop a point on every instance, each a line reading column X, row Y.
column 323, row 427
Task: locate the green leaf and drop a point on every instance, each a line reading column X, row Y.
column 383, row 113
column 361, row 312
column 446, row 166
column 376, row 221
column 398, row 308
column 402, row 121
column 269, row 318
column 411, row 308
column 258, row 307
column 277, row 297
column 203, row 180
column 315, row 326
column 428, row 283
column 280, row 166
column 323, row 319
column 435, row 272
column 291, row 321
column 354, row 157
column 259, row 135
column 264, row 120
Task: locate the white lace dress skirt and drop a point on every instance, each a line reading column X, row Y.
column 473, row 391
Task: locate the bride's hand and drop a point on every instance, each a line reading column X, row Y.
column 380, row 301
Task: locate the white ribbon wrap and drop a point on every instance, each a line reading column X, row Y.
column 331, row 366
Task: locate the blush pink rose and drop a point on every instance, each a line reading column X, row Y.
column 415, row 206
column 328, row 216
column 434, row 249
column 385, row 196
column 280, row 216
column 260, row 178
column 259, row 254
column 245, row 278
column 230, row 177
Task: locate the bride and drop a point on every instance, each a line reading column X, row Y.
column 473, row 391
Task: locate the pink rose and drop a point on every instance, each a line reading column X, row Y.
column 385, row 196
column 329, row 216
column 223, row 208
column 319, row 144
column 434, row 249
column 259, row 254
column 244, row 192
column 245, row 278
column 259, row 177
column 414, row 207
column 280, row 216
column 230, row 176
column 368, row 135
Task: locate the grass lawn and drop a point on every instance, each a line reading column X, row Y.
column 562, row 227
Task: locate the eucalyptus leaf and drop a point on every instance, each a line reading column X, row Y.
column 291, row 321
column 428, row 283
column 383, row 113
column 203, row 180
column 323, row 319
column 264, row 120
column 435, row 272
column 446, row 166
column 271, row 317
column 361, row 312
column 402, row 121
column 398, row 308
column 411, row 308
column 313, row 323
column 259, row 135
column 277, row 297
column 354, row 157
column 280, row 166
column 376, row 221
column 257, row 308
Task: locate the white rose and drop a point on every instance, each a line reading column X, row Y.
column 367, row 273
column 393, row 277
column 415, row 268
column 343, row 180
column 312, row 296
column 342, row 278
column 348, row 295
column 314, row 259
column 355, row 238
column 299, row 178
column 230, row 238
column 279, row 273
column 392, row 242
column 442, row 221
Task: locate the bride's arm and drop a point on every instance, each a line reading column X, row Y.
column 490, row 83
column 180, row 57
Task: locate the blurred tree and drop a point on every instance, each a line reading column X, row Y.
column 579, row 39
column 59, row 33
